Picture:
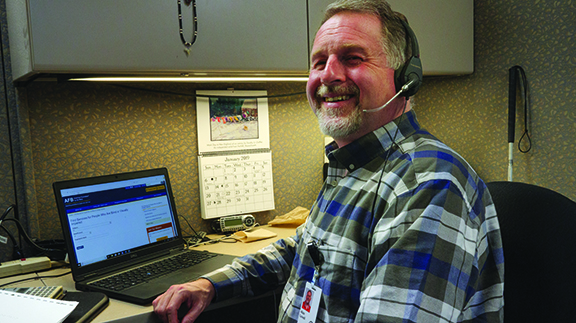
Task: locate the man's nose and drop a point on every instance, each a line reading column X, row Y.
column 334, row 71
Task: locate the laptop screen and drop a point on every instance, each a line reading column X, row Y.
column 113, row 219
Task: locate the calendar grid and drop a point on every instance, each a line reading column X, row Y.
column 235, row 184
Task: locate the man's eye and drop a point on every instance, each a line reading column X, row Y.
column 354, row 60
column 318, row 64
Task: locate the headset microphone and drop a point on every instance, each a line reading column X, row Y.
column 404, row 88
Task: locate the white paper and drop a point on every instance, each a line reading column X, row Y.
column 22, row 308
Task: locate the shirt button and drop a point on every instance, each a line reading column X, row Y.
column 351, row 166
column 334, row 183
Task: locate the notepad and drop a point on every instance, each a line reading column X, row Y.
column 17, row 307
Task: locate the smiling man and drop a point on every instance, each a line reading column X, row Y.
column 350, row 72
column 403, row 229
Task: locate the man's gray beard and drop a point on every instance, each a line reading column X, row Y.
column 335, row 126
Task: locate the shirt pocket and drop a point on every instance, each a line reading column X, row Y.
column 340, row 276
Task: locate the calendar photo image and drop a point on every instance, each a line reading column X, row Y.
column 232, row 121
column 233, row 118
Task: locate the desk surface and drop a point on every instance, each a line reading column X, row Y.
column 118, row 309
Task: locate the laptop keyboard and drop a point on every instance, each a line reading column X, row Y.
column 145, row 273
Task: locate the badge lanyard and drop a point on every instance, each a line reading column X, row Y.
column 315, row 255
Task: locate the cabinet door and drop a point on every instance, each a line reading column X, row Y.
column 143, row 36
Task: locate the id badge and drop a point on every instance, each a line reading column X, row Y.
column 310, row 303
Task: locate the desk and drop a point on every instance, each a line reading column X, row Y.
column 119, row 309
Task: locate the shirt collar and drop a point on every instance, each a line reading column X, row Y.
column 359, row 152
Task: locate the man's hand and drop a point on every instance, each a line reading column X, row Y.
column 196, row 296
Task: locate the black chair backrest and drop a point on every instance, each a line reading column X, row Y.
column 538, row 228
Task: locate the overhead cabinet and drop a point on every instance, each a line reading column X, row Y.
column 247, row 37
column 127, row 37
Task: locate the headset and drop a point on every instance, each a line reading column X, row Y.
column 411, row 70
column 408, row 77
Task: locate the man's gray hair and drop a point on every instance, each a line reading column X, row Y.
column 393, row 32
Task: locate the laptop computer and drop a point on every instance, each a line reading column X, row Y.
column 118, row 223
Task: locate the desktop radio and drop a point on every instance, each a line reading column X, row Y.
column 233, row 223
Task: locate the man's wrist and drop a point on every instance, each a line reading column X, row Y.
column 207, row 286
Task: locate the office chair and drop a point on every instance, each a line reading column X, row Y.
column 538, row 229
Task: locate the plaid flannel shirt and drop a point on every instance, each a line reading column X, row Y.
column 417, row 241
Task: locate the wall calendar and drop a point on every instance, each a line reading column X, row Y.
column 235, row 161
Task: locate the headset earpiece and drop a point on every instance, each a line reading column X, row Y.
column 411, row 70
